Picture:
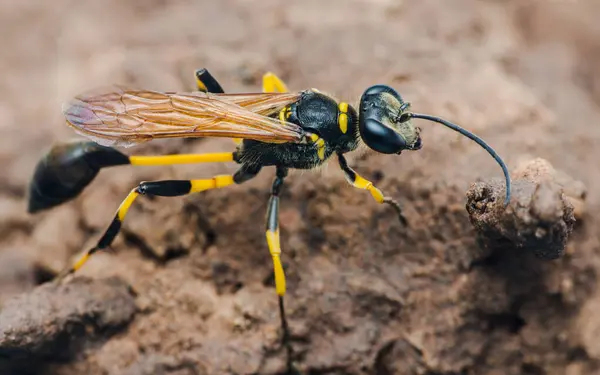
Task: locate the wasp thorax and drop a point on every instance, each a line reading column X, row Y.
column 384, row 125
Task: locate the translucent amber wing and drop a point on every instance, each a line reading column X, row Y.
column 124, row 116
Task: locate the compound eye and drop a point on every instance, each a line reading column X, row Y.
column 380, row 137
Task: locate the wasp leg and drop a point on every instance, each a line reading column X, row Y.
column 167, row 188
column 207, row 83
column 272, row 83
column 272, row 232
column 361, row 183
column 68, row 168
column 218, row 157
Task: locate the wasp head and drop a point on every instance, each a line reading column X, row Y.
column 385, row 125
column 384, row 122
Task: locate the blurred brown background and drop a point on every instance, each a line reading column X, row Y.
column 366, row 296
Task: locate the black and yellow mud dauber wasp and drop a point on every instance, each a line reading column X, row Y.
column 286, row 130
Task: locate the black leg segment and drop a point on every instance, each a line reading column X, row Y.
column 207, row 83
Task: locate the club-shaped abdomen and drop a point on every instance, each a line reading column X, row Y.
column 66, row 170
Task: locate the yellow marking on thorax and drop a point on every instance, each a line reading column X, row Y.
column 343, row 117
column 284, row 114
column 320, row 142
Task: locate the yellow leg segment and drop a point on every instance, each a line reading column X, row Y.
column 272, row 83
column 126, row 205
column 219, row 157
column 275, row 250
column 272, row 231
column 114, row 227
column 214, row 183
column 168, row 188
column 360, row 182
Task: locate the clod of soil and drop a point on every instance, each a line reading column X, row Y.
column 52, row 320
column 539, row 218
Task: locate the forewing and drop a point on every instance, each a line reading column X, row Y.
column 124, row 116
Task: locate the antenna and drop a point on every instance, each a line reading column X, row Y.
column 473, row 137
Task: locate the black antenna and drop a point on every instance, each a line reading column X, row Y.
column 475, row 138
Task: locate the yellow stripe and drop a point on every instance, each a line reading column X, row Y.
column 275, row 250
column 124, row 207
column 321, row 150
column 80, row 262
column 181, row 159
column 343, row 117
column 282, row 116
column 213, row 183
column 320, row 142
column 343, row 122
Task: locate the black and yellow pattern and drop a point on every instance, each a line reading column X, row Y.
column 167, row 188
column 69, row 167
column 205, row 82
column 320, row 143
column 272, row 231
column 324, row 127
column 219, row 157
column 343, row 117
column 272, row 234
column 360, row 182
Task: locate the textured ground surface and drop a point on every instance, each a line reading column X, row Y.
column 366, row 296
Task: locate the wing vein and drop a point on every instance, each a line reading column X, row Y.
column 122, row 116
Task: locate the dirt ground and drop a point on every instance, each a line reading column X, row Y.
column 449, row 294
